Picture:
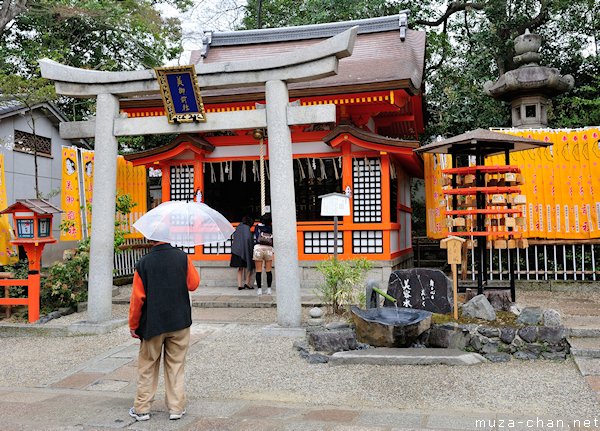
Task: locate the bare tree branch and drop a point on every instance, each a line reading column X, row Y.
column 452, row 9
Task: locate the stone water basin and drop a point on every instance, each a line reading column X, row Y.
column 390, row 326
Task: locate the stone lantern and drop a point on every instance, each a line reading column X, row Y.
column 530, row 87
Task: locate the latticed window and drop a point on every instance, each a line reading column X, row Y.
column 28, row 143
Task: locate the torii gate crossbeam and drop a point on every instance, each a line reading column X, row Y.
column 309, row 63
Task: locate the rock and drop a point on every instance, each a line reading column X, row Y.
column 476, row 343
column 498, row 357
column 554, row 356
column 518, row 343
column 507, row 335
column 304, row 354
column 550, row 334
column 536, row 349
column 317, row 358
column 551, row 318
column 459, row 340
column 489, row 332
column 439, row 336
column 528, row 333
column 65, row 311
column 301, row 345
column 315, row 312
column 363, row 346
column 506, row 348
column 332, row 341
column 528, row 356
column 315, row 322
column 530, row 316
column 491, row 347
column 479, row 307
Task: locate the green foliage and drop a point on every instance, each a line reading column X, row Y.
column 342, row 278
column 109, row 35
column 282, row 13
column 66, row 283
column 123, row 207
column 20, row 271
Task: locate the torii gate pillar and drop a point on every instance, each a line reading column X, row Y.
column 283, row 205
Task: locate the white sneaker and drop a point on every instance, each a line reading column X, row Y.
column 140, row 417
column 269, row 291
column 259, row 291
column 175, row 416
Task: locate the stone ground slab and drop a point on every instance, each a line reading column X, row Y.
column 331, row 415
column 78, row 380
column 594, row 382
column 400, row 419
column 408, row 356
column 585, row 346
column 588, row 366
column 462, row 422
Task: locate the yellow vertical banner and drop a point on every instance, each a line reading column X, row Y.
column 592, row 148
column 70, row 195
column 8, row 253
column 87, row 157
column 132, row 180
column 435, row 200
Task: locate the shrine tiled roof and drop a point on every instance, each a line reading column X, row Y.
column 381, row 59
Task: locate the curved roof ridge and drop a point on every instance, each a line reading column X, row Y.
column 301, row 32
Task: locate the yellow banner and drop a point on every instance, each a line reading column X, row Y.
column 87, row 156
column 435, row 201
column 8, row 253
column 132, row 180
column 70, row 195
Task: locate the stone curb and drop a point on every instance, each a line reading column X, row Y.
column 408, row 356
column 56, row 330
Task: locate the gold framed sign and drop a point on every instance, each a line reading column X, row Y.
column 180, row 93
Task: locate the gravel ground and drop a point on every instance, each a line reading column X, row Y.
column 239, row 361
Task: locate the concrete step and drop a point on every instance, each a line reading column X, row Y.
column 588, row 347
column 588, row 366
column 407, row 356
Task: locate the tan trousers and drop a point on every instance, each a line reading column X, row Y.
column 175, row 348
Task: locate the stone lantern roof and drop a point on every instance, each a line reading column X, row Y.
column 529, row 87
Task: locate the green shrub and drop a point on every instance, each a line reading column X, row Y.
column 66, row 282
column 342, row 280
column 20, row 271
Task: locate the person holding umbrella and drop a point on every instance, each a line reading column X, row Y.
column 160, row 312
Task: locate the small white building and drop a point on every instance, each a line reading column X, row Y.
column 17, row 141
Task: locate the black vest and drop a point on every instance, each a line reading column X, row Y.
column 167, row 307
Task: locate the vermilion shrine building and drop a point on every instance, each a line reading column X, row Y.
column 367, row 151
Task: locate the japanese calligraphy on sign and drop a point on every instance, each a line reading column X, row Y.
column 422, row 288
column 181, row 94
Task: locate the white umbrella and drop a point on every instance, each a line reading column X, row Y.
column 184, row 224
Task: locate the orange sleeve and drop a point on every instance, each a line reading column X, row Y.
column 193, row 278
column 138, row 296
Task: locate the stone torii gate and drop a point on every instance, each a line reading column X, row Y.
column 317, row 61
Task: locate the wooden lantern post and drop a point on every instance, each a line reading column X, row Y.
column 453, row 245
column 32, row 222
